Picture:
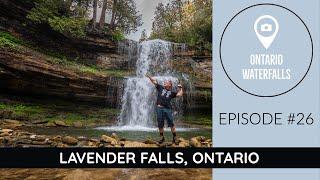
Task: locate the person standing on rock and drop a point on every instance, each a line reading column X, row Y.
column 164, row 108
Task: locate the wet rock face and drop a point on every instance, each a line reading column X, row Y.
column 32, row 75
column 27, row 73
column 112, row 61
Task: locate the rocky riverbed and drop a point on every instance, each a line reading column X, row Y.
column 11, row 135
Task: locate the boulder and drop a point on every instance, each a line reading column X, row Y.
column 180, row 139
column 42, row 121
column 39, row 143
column 60, row 123
column 23, row 141
column 82, row 138
column 24, row 133
column 54, row 144
column 107, row 139
column 93, row 144
column 50, row 124
column 122, row 143
column 4, row 134
column 6, row 131
column 113, row 143
column 114, row 136
column 94, row 140
column 33, row 136
column 57, row 138
column 100, row 145
column 10, row 121
column 12, row 126
column 77, row 124
column 70, row 140
column 194, row 142
column 48, row 141
column 183, row 144
column 37, row 138
column 150, row 141
column 200, row 138
column 61, row 145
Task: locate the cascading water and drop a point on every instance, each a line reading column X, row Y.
column 139, row 95
column 138, row 101
column 128, row 49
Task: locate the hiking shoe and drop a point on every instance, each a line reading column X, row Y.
column 175, row 140
column 161, row 140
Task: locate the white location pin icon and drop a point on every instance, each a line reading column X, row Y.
column 266, row 40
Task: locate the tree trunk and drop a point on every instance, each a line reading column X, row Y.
column 103, row 14
column 94, row 17
column 113, row 17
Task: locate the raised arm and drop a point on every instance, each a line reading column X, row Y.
column 153, row 80
column 180, row 91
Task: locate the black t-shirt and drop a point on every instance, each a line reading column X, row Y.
column 164, row 96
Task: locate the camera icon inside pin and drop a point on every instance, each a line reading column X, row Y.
column 266, row 28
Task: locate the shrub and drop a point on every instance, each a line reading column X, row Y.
column 74, row 27
column 118, row 36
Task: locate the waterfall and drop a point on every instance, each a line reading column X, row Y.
column 139, row 97
column 128, row 49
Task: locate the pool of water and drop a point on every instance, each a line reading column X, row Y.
column 127, row 132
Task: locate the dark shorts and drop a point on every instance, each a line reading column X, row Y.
column 164, row 113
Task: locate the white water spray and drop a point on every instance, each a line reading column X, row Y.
column 139, row 97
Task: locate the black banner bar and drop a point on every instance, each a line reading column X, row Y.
column 159, row 157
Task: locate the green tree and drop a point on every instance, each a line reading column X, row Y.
column 184, row 22
column 71, row 17
column 124, row 16
column 94, row 14
column 102, row 20
column 65, row 16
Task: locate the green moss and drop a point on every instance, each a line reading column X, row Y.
column 9, row 41
column 88, row 69
column 116, row 72
column 20, row 108
column 11, row 38
column 92, row 69
column 59, row 110
column 21, row 111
